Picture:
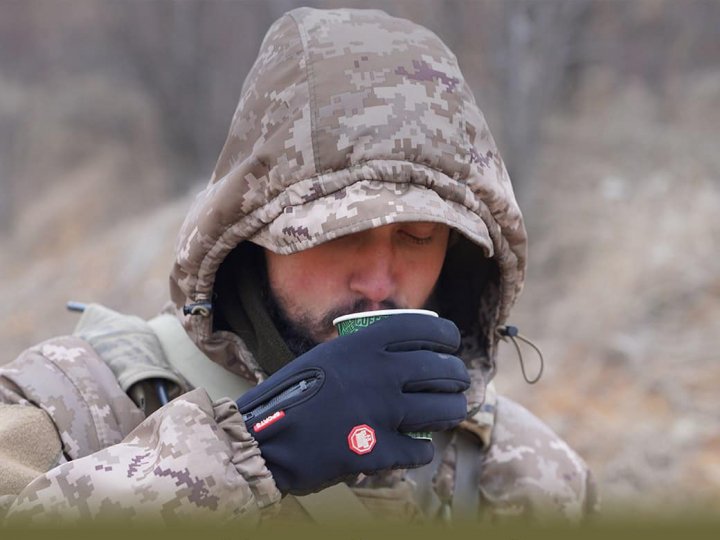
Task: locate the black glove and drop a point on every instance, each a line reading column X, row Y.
column 341, row 408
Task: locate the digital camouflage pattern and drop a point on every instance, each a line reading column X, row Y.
column 67, row 379
column 349, row 119
column 529, row 470
column 192, row 460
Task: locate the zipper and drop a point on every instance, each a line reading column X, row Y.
column 281, row 399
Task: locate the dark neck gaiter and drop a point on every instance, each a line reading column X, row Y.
column 243, row 305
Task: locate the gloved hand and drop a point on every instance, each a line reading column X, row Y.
column 341, row 408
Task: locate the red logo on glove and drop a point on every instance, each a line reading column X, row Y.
column 262, row 424
column 362, row 439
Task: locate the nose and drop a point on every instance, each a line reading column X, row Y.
column 374, row 274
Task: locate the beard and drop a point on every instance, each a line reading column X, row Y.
column 302, row 331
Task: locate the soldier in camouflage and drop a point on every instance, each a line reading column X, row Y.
column 350, row 121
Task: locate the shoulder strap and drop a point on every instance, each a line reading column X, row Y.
column 192, row 363
column 137, row 350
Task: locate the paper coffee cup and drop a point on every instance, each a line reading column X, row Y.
column 351, row 323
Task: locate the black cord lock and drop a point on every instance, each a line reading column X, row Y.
column 204, row 309
column 514, row 335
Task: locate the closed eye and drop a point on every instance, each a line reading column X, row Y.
column 420, row 240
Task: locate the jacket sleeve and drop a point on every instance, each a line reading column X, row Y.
column 58, row 402
column 65, row 378
column 190, row 459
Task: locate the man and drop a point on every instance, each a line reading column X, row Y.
column 358, row 174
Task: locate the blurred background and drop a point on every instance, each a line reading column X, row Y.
column 112, row 114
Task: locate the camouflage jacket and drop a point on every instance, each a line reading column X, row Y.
column 349, row 119
column 76, row 447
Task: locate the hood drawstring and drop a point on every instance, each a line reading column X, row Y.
column 513, row 333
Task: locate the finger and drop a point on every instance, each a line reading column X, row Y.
column 427, row 371
column 433, row 412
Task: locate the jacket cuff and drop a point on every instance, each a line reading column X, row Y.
column 246, row 454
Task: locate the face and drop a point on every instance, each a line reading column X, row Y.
column 393, row 266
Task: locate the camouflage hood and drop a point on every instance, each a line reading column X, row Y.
column 348, row 120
